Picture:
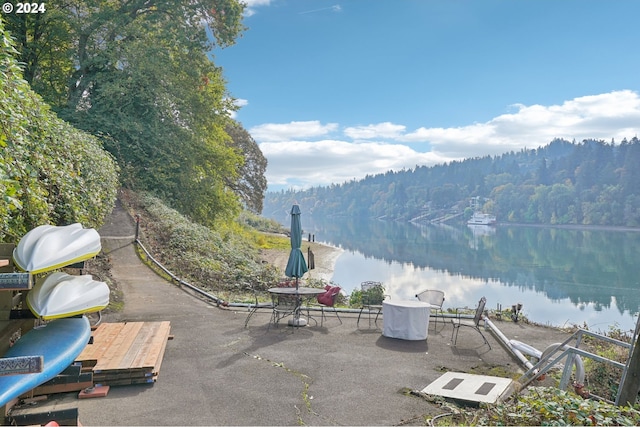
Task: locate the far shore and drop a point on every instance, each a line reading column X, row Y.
column 573, row 226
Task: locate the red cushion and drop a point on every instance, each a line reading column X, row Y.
column 327, row 297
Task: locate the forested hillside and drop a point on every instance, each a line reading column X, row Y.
column 588, row 183
column 139, row 76
column 50, row 173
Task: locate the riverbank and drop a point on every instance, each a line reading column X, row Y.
column 325, row 258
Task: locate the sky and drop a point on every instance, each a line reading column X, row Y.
column 335, row 90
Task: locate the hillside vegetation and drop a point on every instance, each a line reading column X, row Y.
column 50, row 172
column 588, row 183
column 225, row 260
column 140, row 76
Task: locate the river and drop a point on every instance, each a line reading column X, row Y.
column 562, row 277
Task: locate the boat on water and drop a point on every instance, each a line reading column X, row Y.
column 62, row 295
column 49, row 247
column 480, row 218
column 58, row 342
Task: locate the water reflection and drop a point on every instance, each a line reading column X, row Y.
column 560, row 275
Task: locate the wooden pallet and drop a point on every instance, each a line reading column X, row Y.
column 126, row 353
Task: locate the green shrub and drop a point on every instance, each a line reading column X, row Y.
column 372, row 296
column 542, row 406
column 50, row 172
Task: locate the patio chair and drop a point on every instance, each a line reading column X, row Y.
column 475, row 323
column 257, row 305
column 435, row 299
column 283, row 306
column 328, row 300
column 372, row 297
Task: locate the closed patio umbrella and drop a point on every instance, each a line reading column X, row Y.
column 296, row 265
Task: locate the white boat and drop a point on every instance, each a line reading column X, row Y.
column 62, row 295
column 480, row 218
column 49, row 247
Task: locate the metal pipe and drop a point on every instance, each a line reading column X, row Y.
column 507, row 343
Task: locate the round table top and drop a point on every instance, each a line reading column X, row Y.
column 406, row 303
column 299, row 291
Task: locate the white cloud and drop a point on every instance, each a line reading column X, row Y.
column 298, row 159
column 302, row 164
column 381, row 130
column 291, row 130
column 610, row 115
column 239, row 102
column 252, row 4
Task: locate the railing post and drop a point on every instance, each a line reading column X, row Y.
column 137, row 218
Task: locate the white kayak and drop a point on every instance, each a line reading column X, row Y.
column 63, row 295
column 49, row 247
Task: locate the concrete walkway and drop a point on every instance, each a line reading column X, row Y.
column 217, row 372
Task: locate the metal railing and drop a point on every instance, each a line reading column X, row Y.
column 563, row 350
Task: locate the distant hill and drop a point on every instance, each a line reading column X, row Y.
column 587, row 183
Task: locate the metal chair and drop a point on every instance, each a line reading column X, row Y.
column 475, row 324
column 257, row 305
column 328, row 300
column 435, row 299
column 283, row 306
column 372, row 297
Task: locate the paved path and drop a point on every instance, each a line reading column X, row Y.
column 216, row 372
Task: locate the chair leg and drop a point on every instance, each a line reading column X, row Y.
column 359, row 314
column 253, row 310
column 435, row 319
column 454, row 332
column 337, row 315
column 483, row 337
column 456, row 329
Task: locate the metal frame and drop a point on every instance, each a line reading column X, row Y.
column 569, row 352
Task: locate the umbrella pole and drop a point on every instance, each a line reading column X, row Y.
column 297, row 321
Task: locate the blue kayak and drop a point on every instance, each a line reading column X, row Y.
column 59, row 342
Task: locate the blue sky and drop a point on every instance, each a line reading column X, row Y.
column 335, row 90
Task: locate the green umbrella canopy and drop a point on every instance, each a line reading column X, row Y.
column 296, row 265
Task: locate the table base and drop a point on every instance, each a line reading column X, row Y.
column 297, row 322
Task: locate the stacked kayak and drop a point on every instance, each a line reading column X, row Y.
column 61, row 299
column 49, row 247
column 63, row 295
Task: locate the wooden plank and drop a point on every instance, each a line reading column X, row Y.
column 130, row 381
column 64, row 417
column 113, row 356
column 60, row 388
column 163, row 339
column 140, row 347
column 126, row 353
column 155, row 345
column 6, row 257
column 100, row 377
column 52, row 404
column 103, row 338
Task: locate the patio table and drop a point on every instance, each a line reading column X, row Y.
column 405, row 319
column 300, row 293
